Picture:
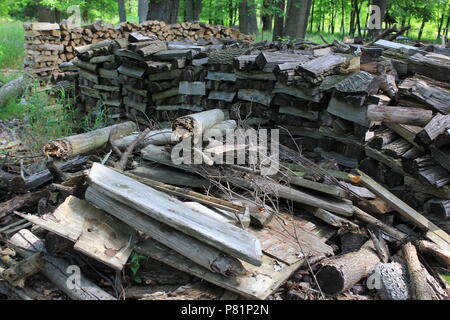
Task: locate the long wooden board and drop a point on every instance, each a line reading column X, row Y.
column 174, row 213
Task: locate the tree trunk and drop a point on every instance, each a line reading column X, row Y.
column 122, row 12
column 278, row 29
column 312, row 16
column 252, row 23
column 142, row 10
column 343, row 17
column 243, row 17
column 422, row 26
column 265, row 17
column 166, row 11
column 192, row 10
column 297, row 20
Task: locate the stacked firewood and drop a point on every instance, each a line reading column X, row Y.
column 98, row 81
column 43, row 47
column 342, row 102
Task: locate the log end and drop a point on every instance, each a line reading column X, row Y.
column 331, row 280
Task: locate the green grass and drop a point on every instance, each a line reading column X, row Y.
column 11, row 45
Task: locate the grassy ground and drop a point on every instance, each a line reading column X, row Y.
column 11, row 45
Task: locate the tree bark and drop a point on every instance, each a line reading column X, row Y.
column 122, row 11
column 340, row 273
column 252, row 23
column 243, row 17
column 297, row 20
column 266, row 18
column 278, row 28
column 142, row 10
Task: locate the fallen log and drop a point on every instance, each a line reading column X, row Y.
column 57, row 270
column 86, row 142
column 195, row 124
column 420, row 288
column 12, row 89
column 22, row 201
column 340, row 273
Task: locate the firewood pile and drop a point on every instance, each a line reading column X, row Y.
column 43, row 49
column 355, row 208
column 50, row 44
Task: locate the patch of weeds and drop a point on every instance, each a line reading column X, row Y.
column 135, row 266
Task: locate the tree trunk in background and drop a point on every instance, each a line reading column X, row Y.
column 252, row 23
column 342, row 17
column 265, row 17
column 122, row 12
column 278, row 28
column 192, row 10
column 243, row 17
column 142, row 10
column 311, row 20
column 164, row 10
column 297, row 19
column 447, row 27
column 421, row 29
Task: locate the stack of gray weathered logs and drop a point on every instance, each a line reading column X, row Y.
column 410, row 145
column 98, row 78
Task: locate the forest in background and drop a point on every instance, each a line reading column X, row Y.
column 267, row 19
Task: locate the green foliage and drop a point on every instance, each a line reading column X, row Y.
column 135, row 266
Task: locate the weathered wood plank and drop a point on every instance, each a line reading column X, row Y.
column 171, row 211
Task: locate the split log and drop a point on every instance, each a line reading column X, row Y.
column 418, row 92
column 437, row 126
column 57, row 270
column 191, row 248
column 411, row 116
column 12, row 89
column 321, row 65
column 439, row 207
column 267, row 61
column 174, row 213
column 86, row 142
column 432, row 65
column 341, row 273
